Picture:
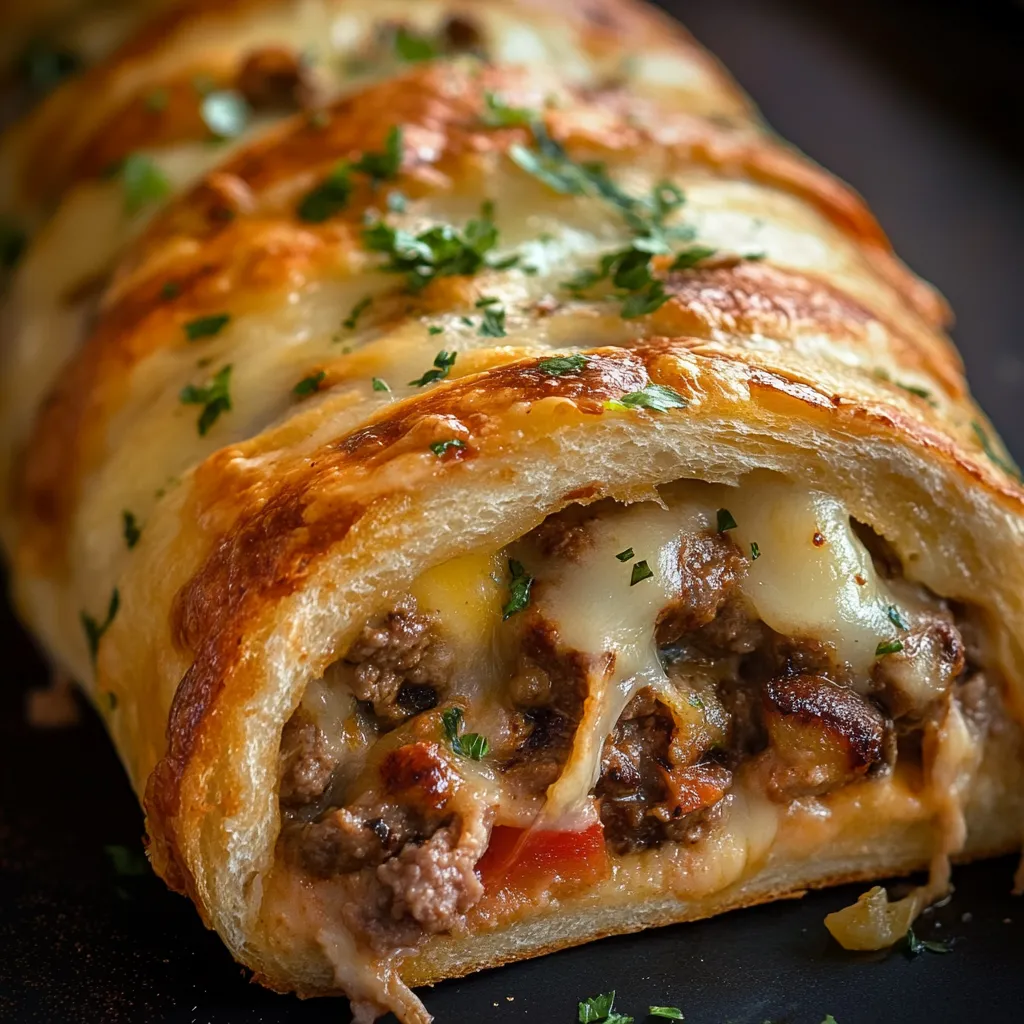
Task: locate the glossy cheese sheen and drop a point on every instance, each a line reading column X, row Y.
column 813, row 579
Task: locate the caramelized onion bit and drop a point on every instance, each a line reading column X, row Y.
column 875, row 923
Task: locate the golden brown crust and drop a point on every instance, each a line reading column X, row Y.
column 271, row 531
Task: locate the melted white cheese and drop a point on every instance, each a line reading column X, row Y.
column 813, row 579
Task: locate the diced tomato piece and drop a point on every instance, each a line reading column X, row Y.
column 520, row 858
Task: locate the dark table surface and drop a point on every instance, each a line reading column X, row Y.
column 920, row 105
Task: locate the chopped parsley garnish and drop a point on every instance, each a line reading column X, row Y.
column 225, row 112
column 518, row 589
column 1005, row 464
column 170, row 290
column 493, row 323
column 440, row 447
column 641, row 571
column 412, row 47
column 888, row 647
column 896, row 617
column 12, row 243
column 755, row 551
column 94, row 630
column 43, row 65
column 215, row 398
column 557, row 365
column 329, row 197
column 379, row 384
column 469, row 744
column 132, row 533
column 600, row 1010
column 915, row 390
column 829, row 1019
column 440, row 251
column 652, row 297
column 497, row 113
column 309, row 385
column 914, row 946
column 434, row 329
column 691, row 257
column 349, row 323
column 486, row 300
column 666, row 1012
column 725, row 520
column 127, row 862
column 383, row 166
column 625, row 556
column 206, row 326
column 443, row 362
column 694, row 701
column 656, row 397
column 143, row 182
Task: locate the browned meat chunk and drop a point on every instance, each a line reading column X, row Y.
column 397, row 660
column 548, row 689
column 644, row 798
column 909, row 680
column 307, row 765
column 821, row 735
column 434, row 883
column 709, row 566
column 274, row 77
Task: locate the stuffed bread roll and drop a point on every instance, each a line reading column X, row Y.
column 508, row 503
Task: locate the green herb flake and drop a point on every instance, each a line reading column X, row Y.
column 656, row 397
column 215, row 398
column 443, row 362
column 470, row 744
column 644, row 302
column 144, row 183
column 386, row 165
column 755, row 551
column 666, row 1012
column 694, row 701
column 725, row 520
column 309, row 385
column 440, row 251
column 440, row 447
column 328, row 198
column 131, row 529
column 12, row 243
column 486, row 300
column 599, row 1010
column 625, row 556
column 126, row 861
column 691, row 257
column 379, row 384
column 349, row 323
column 896, row 617
column 556, row 366
column 412, row 47
column 94, row 630
column 156, row 101
column 225, row 112
column 518, row 589
column 433, row 329
column 829, row 1019
column 170, row 290
column 918, row 392
column 641, row 571
column 888, row 647
column 1007, row 465
column 206, row 326
column 493, row 323
column 497, row 114
column 915, row 946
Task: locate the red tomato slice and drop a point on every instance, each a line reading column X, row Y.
column 518, row 858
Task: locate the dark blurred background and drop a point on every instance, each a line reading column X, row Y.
column 920, row 106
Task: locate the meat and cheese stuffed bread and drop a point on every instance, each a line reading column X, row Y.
column 496, row 493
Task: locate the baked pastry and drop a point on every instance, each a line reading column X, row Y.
column 496, row 493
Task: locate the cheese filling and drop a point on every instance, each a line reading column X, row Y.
column 671, row 673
